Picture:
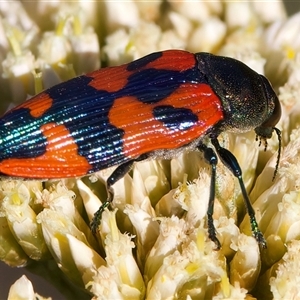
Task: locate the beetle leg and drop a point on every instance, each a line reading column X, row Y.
column 232, row 164
column 116, row 175
column 211, row 157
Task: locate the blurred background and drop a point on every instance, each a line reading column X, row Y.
column 292, row 6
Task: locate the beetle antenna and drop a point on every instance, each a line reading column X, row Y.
column 278, row 132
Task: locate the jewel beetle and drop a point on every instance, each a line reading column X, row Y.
column 153, row 107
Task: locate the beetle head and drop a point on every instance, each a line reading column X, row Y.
column 248, row 99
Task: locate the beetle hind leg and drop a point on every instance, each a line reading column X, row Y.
column 117, row 174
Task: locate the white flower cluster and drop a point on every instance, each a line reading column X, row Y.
column 154, row 244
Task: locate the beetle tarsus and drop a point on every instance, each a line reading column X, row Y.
column 212, row 232
column 98, row 214
column 257, row 233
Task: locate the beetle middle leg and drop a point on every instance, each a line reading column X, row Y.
column 211, row 157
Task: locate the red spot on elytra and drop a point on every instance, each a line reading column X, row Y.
column 147, row 134
column 60, row 160
column 38, row 105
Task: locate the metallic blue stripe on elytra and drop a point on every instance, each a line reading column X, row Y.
column 153, row 85
column 20, row 135
column 144, row 61
column 84, row 111
column 175, row 118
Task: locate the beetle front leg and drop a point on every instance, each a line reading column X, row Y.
column 211, row 157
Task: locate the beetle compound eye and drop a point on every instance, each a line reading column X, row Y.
column 274, row 107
